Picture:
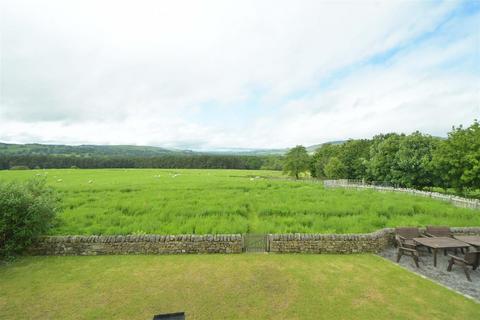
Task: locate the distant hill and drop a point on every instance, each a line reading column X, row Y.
column 248, row 152
column 131, row 151
column 314, row 147
column 86, row 150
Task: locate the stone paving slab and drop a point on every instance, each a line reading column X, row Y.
column 455, row 279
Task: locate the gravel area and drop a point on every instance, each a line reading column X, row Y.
column 455, row 279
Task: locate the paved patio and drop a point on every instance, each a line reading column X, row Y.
column 455, row 279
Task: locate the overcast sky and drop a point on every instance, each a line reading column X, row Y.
column 245, row 74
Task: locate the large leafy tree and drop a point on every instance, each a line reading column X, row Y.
column 413, row 167
column 335, row 169
column 354, row 155
column 321, row 158
column 404, row 160
column 296, row 161
column 383, row 157
column 457, row 159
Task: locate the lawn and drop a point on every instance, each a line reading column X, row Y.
column 156, row 201
column 223, row 287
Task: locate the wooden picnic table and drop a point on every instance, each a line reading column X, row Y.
column 471, row 240
column 436, row 243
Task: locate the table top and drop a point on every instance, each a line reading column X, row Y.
column 473, row 240
column 441, row 242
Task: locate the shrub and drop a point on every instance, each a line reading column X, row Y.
column 27, row 210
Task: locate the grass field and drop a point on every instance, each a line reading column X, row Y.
column 223, row 287
column 119, row 201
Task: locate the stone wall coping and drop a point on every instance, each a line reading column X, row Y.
column 142, row 238
column 231, row 237
column 357, row 236
column 456, row 200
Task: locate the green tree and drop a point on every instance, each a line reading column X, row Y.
column 354, row 155
column 383, row 157
column 413, row 166
column 296, row 161
column 335, row 169
column 457, row 159
column 321, row 158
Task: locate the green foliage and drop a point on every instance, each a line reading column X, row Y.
column 272, row 163
column 403, row 160
column 296, row 161
column 27, row 210
column 193, row 161
column 414, row 161
column 354, row 154
column 457, row 159
column 321, row 158
column 383, row 157
column 335, row 169
column 161, row 201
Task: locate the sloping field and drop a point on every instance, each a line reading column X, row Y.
column 223, row 287
column 119, row 201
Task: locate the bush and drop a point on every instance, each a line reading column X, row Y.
column 27, row 210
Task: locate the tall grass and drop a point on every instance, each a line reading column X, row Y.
column 160, row 201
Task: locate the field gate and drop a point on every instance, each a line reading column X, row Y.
column 255, row 243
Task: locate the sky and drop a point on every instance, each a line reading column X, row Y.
column 207, row 75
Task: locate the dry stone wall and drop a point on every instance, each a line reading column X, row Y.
column 137, row 244
column 466, row 231
column 455, row 200
column 332, row 243
column 344, row 243
column 277, row 243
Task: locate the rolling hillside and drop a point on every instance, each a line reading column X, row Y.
column 130, row 150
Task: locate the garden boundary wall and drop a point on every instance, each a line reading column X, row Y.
column 344, row 243
column 455, row 200
column 137, row 244
column 182, row 244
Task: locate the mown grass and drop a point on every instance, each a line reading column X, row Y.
column 119, row 201
column 223, row 287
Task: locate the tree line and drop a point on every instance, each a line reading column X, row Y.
column 414, row 161
column 166, row 161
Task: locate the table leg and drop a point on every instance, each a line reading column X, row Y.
column 434, row 257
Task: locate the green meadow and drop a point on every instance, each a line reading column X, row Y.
column 160, row 201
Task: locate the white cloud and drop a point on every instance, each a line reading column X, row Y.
column 141, row 72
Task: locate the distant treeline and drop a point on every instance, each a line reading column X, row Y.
column 166, row 161
column 415, row 161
